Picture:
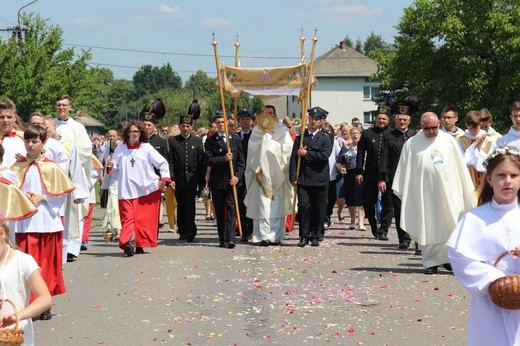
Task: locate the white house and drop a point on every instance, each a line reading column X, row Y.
column 344, row 88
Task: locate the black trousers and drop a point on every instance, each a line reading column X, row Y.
column 401, row 234
column 103, row 198
column 370, row 193
column 186, row 212
column 312, row 204
column 225, row 212
column 331, row 199
column 245, row 222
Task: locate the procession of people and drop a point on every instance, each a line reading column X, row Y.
column 257, row 176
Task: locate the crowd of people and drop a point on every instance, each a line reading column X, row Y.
column 257, row 178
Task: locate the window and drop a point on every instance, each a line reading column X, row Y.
column 369, row 117
column 370, row 92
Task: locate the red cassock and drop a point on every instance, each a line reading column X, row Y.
column 46, row 249
column 139, row 217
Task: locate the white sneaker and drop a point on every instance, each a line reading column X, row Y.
column 362, row 228
column 352, row 226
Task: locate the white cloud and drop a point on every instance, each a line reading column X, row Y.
column 352, row 10
column 217, row 22
column 87, row 22
column 170, row 10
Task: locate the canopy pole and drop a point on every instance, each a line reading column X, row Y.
column 302, row 48
column 304, row 107
column 228, row 146
column 237, row 64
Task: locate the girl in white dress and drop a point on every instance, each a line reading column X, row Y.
column 478, row 240
column 19, row 275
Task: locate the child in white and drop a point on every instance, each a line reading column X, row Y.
column 481, row 236
column 19, row 275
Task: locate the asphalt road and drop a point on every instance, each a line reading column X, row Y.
column 351, row 290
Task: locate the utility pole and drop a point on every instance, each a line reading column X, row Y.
column 16, row 32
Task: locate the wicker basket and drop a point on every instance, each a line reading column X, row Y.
column 11, row 336
column 505, row 291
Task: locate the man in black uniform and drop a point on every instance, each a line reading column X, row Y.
column 313, row 176
column 370, row 149
column 246, row 119
column 220, row 181
column 393, row 142
column 150, row 117
column 188, row 170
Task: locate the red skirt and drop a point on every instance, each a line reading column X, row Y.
column 140, row 219
column 46, row 249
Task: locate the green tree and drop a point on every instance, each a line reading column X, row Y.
column 120, row 103
column 358, row 46
column 373, row 43
column 94, row 99
column 348, row 41
column 150, row 79
column 457, row 53
column 35, row 70
column 200, row 85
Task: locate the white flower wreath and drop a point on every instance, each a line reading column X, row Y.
column 501, row 151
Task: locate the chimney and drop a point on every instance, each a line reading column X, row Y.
column 342, row 45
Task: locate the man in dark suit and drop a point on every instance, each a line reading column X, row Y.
column 313, row 176
column 246, row 119
column 220, row 181
column 188, row 170
column 370, row 148
column 393, row 142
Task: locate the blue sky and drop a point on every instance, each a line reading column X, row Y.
column 179, row 32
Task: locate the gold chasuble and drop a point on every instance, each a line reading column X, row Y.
column 55, row 182
column 14, row 204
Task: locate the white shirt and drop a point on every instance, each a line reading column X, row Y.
column 12, row 146
column 55, row 152
column 135, row 170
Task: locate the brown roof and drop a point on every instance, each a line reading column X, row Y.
column 343, row 61
column 88, row 121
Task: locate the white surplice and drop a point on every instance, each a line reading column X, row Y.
column 12, row 146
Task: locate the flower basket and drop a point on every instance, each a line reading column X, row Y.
column 11, row 336
column 505, row 291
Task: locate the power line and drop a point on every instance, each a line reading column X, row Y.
column 175, row 53
column 138, row 67
column 203, row 55
column 7, row 21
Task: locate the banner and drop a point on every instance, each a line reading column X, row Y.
column 275, row 81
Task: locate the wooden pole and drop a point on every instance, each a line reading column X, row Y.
column 228, row 146
column 304, row 107
column 302, row 48
column 237, row 64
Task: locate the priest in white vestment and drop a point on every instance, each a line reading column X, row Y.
column 436, row 190
column 269, row 192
